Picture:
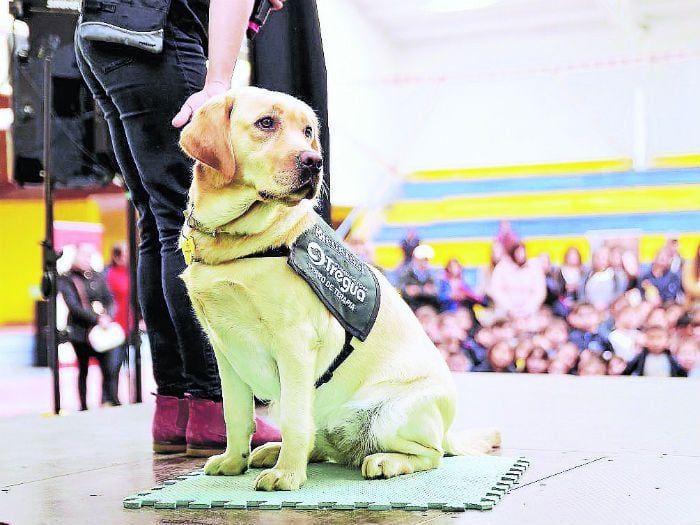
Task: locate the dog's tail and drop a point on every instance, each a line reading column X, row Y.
column 474, row 442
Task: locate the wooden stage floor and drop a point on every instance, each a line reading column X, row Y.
column 603, row 450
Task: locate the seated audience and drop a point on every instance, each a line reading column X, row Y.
column 555, row 297
column 568, row 355
column 585, row 322
column 408, row 244
column 600, row 286
column 537, row 362
column 688, row 357
column 616, row 366
column 450, row 345
column 559, row 333
column 691, row 277
column 557, row 366
column 430, row 321
column 571, row 274
column 655, row 359
column 477, row 346
column 657, row 316
column 666, row 282
column 518, row 287
column 465, row 318
column 485, row 273
column 522, row 351
column 592, row 365
column 499, row 358
column 453, row 290
column 417, row 283
column 625, row 339
column 676, row 260
column 503, row 331
column 625, row 265
column 674, row 312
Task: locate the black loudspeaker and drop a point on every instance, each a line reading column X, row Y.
column 81, row 149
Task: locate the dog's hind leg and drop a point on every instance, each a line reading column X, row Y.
column 414, row 446
column 266, row 455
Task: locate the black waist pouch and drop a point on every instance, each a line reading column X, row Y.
column 135, row 23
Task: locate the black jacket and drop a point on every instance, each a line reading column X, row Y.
column 636, row 366
column 81, row 318
column 287, row 56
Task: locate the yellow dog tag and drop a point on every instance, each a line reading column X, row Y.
column 188, row 250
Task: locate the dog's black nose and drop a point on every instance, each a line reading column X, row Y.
column 310, row 163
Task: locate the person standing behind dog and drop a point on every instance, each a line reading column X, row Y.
column 139, row 92
column 89, row 303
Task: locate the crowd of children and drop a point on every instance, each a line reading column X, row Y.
column 630, row 340
column 624, row 320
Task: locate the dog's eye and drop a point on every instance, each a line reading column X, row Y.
column 266, row 123
column 308, row 132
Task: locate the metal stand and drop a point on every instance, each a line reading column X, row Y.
column 134, row 309
column 50, row 275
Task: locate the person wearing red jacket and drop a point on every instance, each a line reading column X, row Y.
column 117, row 276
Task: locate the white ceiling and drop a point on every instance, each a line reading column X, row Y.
column 411, row 22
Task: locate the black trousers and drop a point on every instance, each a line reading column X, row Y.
column 139, row 93
column 109, row 365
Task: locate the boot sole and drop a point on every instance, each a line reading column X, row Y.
column 169, row 448
column 203, row 452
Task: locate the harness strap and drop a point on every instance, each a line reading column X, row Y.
column 280, row 251
column 339, row 359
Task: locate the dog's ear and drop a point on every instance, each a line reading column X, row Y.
column 207, row 138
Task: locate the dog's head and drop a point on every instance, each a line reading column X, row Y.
column 260, row 139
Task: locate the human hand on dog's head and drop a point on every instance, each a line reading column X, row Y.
column 263, row 141
column 197, row 100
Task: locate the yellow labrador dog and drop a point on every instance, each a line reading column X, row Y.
column 389, row 406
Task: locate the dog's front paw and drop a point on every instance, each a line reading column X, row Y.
column 265, row 456
column 226, row 465
column 279, row 479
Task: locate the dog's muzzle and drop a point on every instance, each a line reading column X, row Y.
column 310, row 164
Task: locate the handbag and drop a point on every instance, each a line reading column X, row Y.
column 101, row 338
column 136, row 23
column 105, row 338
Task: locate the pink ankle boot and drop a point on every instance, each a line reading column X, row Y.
column 264, row 433
column 169, row 424
column 206, row 429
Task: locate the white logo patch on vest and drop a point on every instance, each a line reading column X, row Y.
column 345, row 284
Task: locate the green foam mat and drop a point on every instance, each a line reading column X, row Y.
column 460, row 483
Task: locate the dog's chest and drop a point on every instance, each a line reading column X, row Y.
column 245, row 307
column 257, row 369
column 248, row 343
